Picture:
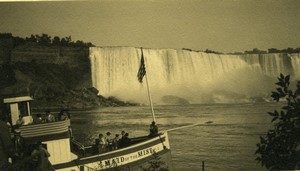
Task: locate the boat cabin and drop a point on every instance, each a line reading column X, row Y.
column 67, row 154
column 55, row 136
column 16, row 106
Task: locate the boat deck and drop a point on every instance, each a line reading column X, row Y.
column 90, row 150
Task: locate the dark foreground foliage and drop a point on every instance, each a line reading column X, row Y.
column 156, row 164
column 279, row 149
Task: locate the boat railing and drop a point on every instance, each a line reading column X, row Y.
column 78, row 148
column 83, row 150
column 88, row 150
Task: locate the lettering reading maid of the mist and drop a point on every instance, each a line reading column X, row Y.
column 119, row 160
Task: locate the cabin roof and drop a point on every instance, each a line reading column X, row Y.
column 17, row 99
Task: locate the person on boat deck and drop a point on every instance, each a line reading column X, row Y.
column 123, row 134
column 115, row 143
column 125, row 141
column 6, row 145
column 109, row 141
column 18, row 142
column 49, row 117
column 95, row 148
column 63, row 115
column 10, row 129
column 40, row 155
column 38, row 119
column 7, row 119
column 101, row 144
column 20, row 121
column 153, row 129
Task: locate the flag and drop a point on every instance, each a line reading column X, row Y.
column 142, row 70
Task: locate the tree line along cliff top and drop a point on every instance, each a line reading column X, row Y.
column 8, row 40
column 45, row 40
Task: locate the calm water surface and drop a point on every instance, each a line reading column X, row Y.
column 228, row 142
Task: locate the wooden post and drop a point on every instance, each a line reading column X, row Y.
column 203, row 165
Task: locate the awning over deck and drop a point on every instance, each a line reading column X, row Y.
column 17, row 99
column 52, row 130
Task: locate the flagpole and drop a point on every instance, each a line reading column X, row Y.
column 150, row 99
column 141, row 73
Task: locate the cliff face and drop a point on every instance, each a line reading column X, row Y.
column 57, row 77
column 71, row 56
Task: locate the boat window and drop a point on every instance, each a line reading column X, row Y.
column 23, row 108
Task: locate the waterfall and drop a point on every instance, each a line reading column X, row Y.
column 197, row 77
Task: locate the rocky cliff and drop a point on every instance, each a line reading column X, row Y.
column 57, row 77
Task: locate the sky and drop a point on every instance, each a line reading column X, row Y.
column 219, row 25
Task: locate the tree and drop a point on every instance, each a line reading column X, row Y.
column 32, row 38
column 64, row 42
column 280, row 148
column 5, row 35
column 18, row 41
column 256, row 51
column 69, row 39
column 56, row 41
column 89, row 44
column 44, row 39
column 289, row 50
column 273, row 50
column 211, row 51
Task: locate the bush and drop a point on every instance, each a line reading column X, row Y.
column 156, row 164
column 280, row 148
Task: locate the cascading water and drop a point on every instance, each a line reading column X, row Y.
column 194, row 76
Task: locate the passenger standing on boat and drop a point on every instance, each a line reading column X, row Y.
column 126, row 140
column 123, row 134
column 20, row 121
column 109, row 141
column 121, row 141
column 49, row 117
column 153, row 129
column 6, row 146
column 40, row 155
column 116, row 141
column 102, row 144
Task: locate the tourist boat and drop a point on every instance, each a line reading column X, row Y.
column 67, row 154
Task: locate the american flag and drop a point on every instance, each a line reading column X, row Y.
column 142, row 70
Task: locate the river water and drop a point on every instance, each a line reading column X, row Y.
column 225, row 138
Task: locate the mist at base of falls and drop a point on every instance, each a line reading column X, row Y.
column 176, row 76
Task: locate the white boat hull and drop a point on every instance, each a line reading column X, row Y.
column 135, row 156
